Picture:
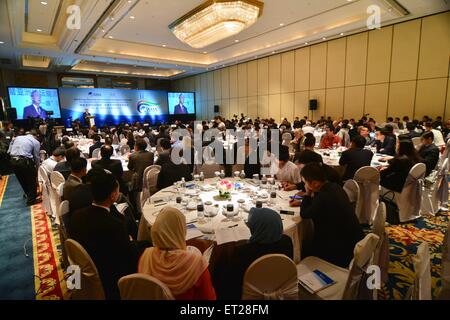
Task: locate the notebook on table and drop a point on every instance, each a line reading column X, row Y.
column 315, row 281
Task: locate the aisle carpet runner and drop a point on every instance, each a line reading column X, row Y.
column 49, row 276
column 403, row 243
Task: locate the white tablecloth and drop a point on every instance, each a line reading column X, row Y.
column 291, row 224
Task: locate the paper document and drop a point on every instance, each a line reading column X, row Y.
column 192, row 232
column 232, row 234
column 315, row 281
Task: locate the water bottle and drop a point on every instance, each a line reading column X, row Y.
column 202, row 176
column 222, row 174
column 242, row 175
column 183, row 183
column 200, row 212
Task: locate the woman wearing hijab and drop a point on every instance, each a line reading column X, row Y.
column 183, row 269
column 267, row 237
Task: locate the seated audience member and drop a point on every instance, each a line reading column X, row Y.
column 63, row 167
column 112, row 165
column 252, row 164
column 267, row 237
column 57, row 156
column 310, row 142
column 77, row 172
column 356, row 157
column 139, row 160
column 329, row 139
column 104, row 236
column 394, row 176
column 364, row 132
column 97, row 144
column 412, row 133
column 171, row 173
column 303, row 158
column 385, row 142
column 298, row 142
column 287, row 170
column 164, row 154
column 182, row 268
column 336, row 227
column 429, row 152
column 438, row 139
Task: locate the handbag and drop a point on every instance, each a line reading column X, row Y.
column 392, row 211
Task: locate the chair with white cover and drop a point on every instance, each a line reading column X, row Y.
column 57, row 182
column 96, row 153
column 63, row 211
column 416, row 142
column 140, row 286
column 381, row 255
column 43, row 155
column 368, row 179
column 281, row 285
column 91, row 287
column 44, row 182
column 421, row 289
column 150, row 182
column 351, row 187
column 444, row 293
column 435, row 196
column 348, row 281
column 409, row 201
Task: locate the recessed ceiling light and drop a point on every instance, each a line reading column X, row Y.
column 324, row 38
column 273, row 51
column 39, row 30
column 111, row 37
column 164, row 45
column 44, row 3
column 132, row 17
column 236, row 40
column 204, row 52
column 281, row 24
column 306, row 42
column 1, row 42
column 112, row 18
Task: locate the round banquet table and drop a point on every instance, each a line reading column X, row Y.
column 209, row 226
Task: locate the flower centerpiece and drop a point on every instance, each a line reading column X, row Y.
column 225, row 187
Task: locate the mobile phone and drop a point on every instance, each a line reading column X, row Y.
column 286, row 212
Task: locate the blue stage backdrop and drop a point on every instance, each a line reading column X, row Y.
column 112, row 106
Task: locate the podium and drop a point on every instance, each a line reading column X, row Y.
column 91, row 121
column 59, row 130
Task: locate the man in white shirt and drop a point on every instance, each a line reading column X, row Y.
column 438, row 137
column 287, row 170
column 57, row 156
column 307, row 128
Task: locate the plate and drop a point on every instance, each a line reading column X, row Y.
column 192, row 205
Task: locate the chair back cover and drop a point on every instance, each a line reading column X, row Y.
column 44, row 181
column 280, row 285
column 96, row 153
column 422, row 280
column 140, row 286
column 411, row 196
column 91, row 285
column 368, row 180
column 417, row 143
column 150, row 185
column 56, row 179
column 356, row 287
column 381, row 256
column 351, row 187
column 442, row 189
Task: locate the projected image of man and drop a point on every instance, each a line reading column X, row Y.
column 34, row 110
column 180, row 108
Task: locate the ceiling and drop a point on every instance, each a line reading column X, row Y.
column 132, row 38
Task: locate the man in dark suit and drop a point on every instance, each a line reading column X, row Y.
column 336, row 227
column 112, row 165
column 164, row 155
column 86, row 116
column 77, row 172
column 171, row 172
column 97, row 144
column 356, row 157
column 63, row 167
column 104, row 236
column 429, row 152
column 180, row 108
column 34, row 110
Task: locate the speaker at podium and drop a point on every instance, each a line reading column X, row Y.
column 91, row 120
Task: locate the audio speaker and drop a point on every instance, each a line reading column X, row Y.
column 313, row 104
column 216, row 109
column 11, row 113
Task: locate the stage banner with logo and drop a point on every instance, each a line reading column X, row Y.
column 112, row 106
